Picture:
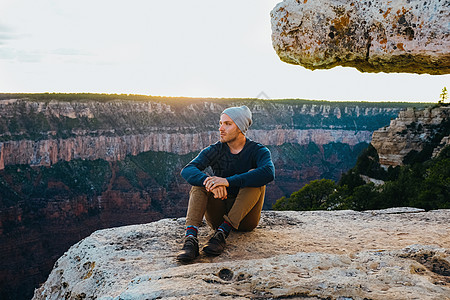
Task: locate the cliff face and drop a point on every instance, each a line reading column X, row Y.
column 112, row 148
column 43, row 133
column 372, row 36
column 69, row 167
column 390, row 254
column 413, row 131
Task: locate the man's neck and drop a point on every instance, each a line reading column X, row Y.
column 237, row 144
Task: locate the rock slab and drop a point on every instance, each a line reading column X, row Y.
column 401, row 254
column 406, row 36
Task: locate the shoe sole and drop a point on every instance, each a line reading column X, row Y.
column 211, row 253
column 186, row 259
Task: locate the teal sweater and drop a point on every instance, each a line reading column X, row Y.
column 234, row 167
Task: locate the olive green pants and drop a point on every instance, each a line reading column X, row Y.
column 242, row 212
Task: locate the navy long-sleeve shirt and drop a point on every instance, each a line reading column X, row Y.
column 234, row 167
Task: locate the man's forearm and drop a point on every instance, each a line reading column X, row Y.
column 193, row 175
column 253, row 178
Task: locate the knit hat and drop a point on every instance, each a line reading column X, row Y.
column 242, row 116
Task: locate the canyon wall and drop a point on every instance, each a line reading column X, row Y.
column 405, row 36
column 43, row 133
column 72, row 166
column 112, row 148
column 412, row 132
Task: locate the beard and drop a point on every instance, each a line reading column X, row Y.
column 228, row 138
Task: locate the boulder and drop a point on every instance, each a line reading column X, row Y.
column 407, row 36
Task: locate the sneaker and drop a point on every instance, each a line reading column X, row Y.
column 216, row 244
column 189, row 251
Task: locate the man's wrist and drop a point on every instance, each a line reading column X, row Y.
column 230, row 181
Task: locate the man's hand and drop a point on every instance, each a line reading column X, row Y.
column 220, row 192
column 212, row 182
column 217, row 186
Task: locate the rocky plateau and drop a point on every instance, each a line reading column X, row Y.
column 399, row 253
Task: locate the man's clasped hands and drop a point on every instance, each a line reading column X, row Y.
column 217, row 186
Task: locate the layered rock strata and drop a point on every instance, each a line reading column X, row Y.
column 391, row 254
column 410, row 36
column 112, row 148
column 41, row 133
column 413, row 130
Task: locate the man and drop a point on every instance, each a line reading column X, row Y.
column 234, row 196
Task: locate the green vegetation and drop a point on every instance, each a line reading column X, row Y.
column 297, row 164
column 443, row 96
column 82, row 97
column 63, row 180
column 313, row 196
column 422, row 181
column 147, row 167
column 67, row 180
column 423, row 184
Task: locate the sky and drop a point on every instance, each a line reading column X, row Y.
column 197, row 48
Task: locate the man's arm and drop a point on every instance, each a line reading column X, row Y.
column 193, row 171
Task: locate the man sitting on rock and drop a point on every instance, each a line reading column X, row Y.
column 234, row 196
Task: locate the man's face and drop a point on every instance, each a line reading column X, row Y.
column 228, row 129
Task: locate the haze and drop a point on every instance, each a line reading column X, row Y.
column 203, row 48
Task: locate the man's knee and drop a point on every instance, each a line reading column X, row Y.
column 246, row 215
column 197, row 192
column 198, row 189
column 248, row 226
column 253, row 191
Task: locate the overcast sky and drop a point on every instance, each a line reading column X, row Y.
column 203, row 48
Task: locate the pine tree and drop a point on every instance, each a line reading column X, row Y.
column 443, row 96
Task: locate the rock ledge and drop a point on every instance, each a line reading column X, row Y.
column 407, row 36
column 299, row 255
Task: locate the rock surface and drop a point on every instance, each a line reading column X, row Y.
column 413, row 130
column 409, row 36
column 394, row 254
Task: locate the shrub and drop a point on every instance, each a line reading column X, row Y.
column 313, row 196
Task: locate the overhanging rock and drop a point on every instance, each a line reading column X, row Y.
column 407, row 36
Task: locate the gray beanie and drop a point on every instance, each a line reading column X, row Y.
column 242, row 116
